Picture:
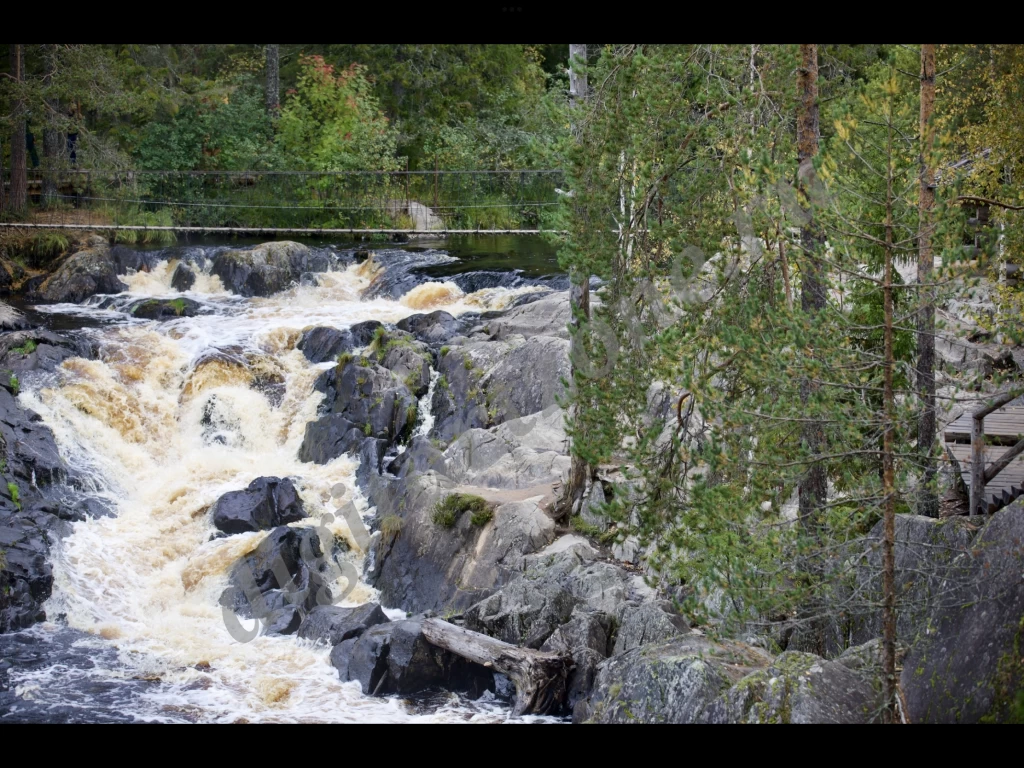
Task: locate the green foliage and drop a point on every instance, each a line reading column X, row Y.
column 390, row 527
column 580, row 525
column 25, row 349
column 367, row 429
column 331, row 121
column 15, row 384
column 344, row 359
column 49, row 245
column 14, row 493
column 444, row 350
column 447, row 511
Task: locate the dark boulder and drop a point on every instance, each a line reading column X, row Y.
column 421, row 455
column 395, row 658
column 164, row 309
column 321, row 344
column 183, row 278
column 283, row 621
column 269, row 268
column 267, row 503
column 38, row 350
column 84, row 274
column 288, row 568
column 333, row 624
column 363, row 400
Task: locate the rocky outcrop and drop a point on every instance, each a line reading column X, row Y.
column 679, row 681
column 269, row 268
column 965, row 663
column 434, row 328
column 86, row 273
column 362, row 401
column 38, row 491
column 267, row 503
column 420, row 565
column 547, row 316
column 11, row 319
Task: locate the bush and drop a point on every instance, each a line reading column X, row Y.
column 447, row 511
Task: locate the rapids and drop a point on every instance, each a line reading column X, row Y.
column 165, row 421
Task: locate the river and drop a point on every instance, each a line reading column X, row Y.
column 163, row 423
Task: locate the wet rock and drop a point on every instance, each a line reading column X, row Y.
column 799, row 688
column 421, row 455
column 288, row 568
column 283, row 621
column 333, row 624
column 268, row 268
column 409, row 361
column 362, row 401
column 460, row 400
column 184, row 277
column 86, row 273
column 395, row 658
column 321, row 344
column 164, row 309
column 266, row 503
column 678, row 681
column 11, row 274
column 400, row 271
column 36, row 349
column 964, row 665
column 11, row 319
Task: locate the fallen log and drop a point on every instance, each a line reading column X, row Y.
column 539, row 676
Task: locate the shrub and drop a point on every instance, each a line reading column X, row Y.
column 447, row 511
column 13, row 490
column 344, row 359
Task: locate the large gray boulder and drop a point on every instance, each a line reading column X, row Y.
column 528, row 379
column 549, row 316
column 800, row 688
column 86, row 273
column 677, row 681
column 496, row 458
column 333, row 624
column 460, row 399
column 965, row 665
column 268, row 268
column 419, row 565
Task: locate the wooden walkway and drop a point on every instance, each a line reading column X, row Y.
column 1003, row 428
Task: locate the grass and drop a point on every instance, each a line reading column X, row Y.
column 447, row 511
column 3, row 559
column 390, row 527
column 468, row 363
column 580, row 525
column 411, row 413
column 365, row 362
column 15, row 384
column 344, row 359
column 380, row 338
column 26, row 349
column 445, row 350
column 367, row 429
column 13, row 490
column 48, row 245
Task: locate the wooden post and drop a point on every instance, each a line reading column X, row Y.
column 977, row 464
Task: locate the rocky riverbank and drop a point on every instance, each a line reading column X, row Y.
column 458, row 427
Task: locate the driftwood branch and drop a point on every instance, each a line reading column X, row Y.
column 539, row 677
column 988, row 201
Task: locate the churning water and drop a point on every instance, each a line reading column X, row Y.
column 165, row 421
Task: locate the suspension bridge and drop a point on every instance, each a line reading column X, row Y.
column 305, row 203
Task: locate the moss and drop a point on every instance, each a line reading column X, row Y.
column 365, row 362
column 13, row 490
column 25, row 349
column 444, row 350
column 447, row 511
column 367, row 429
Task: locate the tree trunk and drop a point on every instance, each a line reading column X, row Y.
column 17, row 198
column 273, row 86
column 539, row 676
column 813, row 486
column 929, row 503
column 579, row 295
column 888, row 467
column 54, row 143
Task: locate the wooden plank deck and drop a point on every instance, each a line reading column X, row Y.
column 1003, row 428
